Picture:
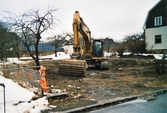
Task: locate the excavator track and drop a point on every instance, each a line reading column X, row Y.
column 75, row 68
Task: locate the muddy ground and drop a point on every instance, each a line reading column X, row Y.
column 125, row 77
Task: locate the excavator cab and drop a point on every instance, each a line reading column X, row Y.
column 97, row 48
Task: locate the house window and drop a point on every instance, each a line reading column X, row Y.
column 158, row 21
column 157, row 39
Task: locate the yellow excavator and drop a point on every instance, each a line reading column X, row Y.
column 87, row 51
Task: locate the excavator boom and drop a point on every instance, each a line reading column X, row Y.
column 81, row 46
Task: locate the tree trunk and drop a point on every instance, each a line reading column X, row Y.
column 36, row 53
column 17, row 51
column 55, row 52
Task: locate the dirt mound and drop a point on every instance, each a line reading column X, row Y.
column 118, row 63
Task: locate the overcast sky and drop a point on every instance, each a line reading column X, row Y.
column 105, row 18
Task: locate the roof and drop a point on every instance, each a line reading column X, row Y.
column 144, row 26
column 68, row 42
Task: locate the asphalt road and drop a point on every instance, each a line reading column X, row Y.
column 158, row 105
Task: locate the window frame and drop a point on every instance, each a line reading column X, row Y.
column 158, row 21
column 158, row 39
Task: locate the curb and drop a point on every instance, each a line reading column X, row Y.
column 111, row 103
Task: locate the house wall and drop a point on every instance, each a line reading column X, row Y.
column 150, row 39
column 68, row 49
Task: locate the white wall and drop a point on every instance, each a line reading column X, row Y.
column 150, row 38
column 69, row 49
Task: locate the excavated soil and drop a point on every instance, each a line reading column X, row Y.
column 125, row 77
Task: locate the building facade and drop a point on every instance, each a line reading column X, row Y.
column 155, row 28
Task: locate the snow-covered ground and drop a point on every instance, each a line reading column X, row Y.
column 60, row 55
column 159, row 56
column 15, row 94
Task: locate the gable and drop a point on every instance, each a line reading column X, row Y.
column 68, row 42
column 159, row 10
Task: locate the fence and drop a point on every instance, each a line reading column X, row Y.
column 3, row 85
column 27, row 77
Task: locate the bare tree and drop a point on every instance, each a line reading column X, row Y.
column 108, row 44
column 135, row 43
column 31, row 24
column 58, row 40
column 16, row 44
column 120, row 49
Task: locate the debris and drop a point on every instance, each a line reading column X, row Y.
column 78, row 88
column 56, row 90
column 52, row 106
column 92, row 74
column 58, row 95
column 93, row 99
column 120, row 69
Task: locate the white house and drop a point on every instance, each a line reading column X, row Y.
column 155, row 28
column 68, row 46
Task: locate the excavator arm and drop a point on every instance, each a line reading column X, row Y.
column 75, row 67
column 82, row 48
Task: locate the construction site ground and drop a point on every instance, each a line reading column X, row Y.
column 127, row 76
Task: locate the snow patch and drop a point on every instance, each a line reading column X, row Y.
column 17, row 94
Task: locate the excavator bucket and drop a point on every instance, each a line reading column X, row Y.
column 75, row 68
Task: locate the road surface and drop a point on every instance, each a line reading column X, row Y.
column 158, row 105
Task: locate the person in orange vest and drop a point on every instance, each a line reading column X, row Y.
column 43, row 83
